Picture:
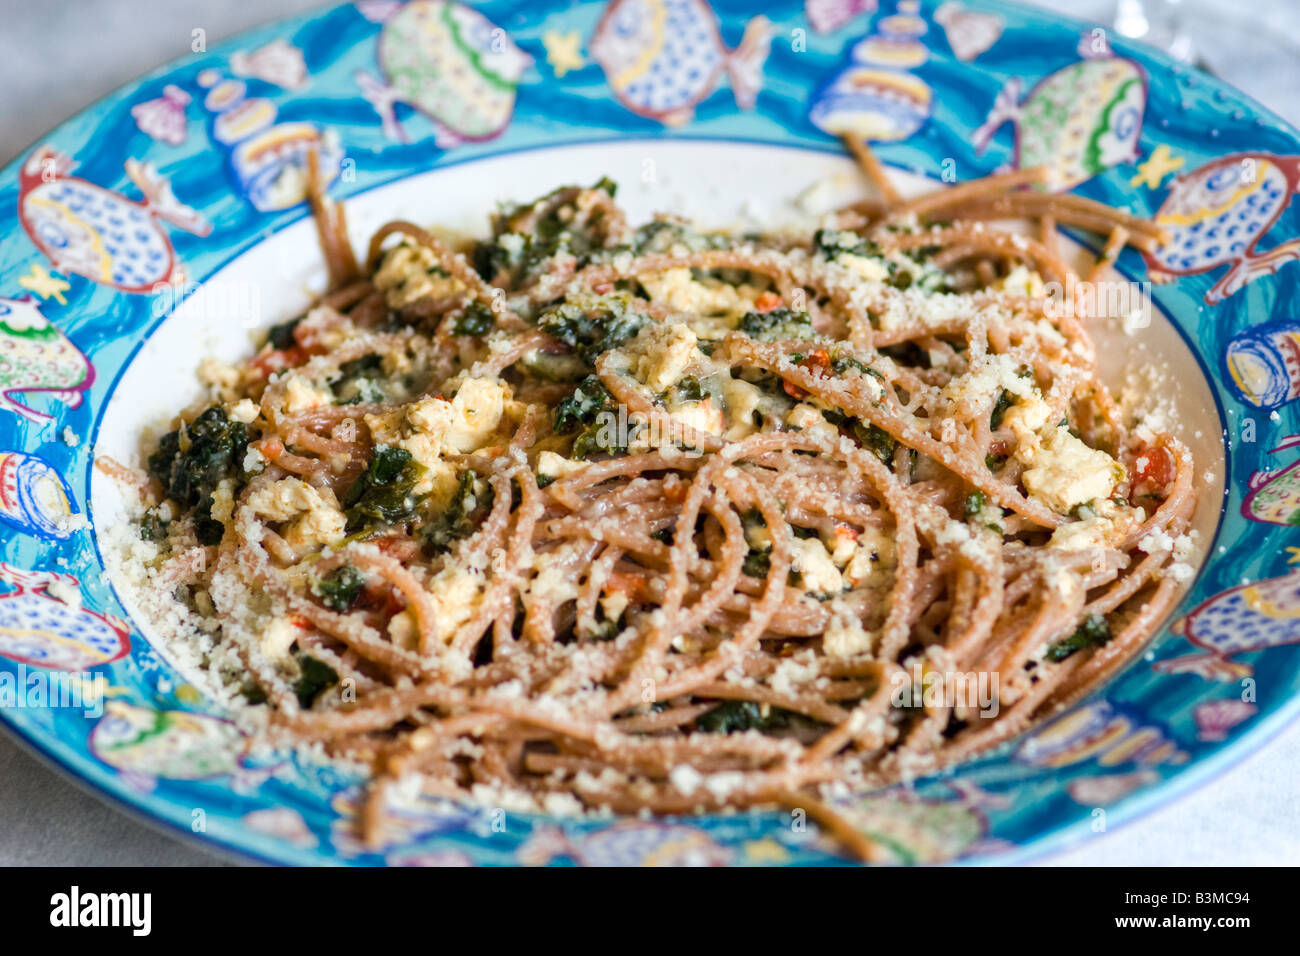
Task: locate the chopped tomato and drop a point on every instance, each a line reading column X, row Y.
column 277, row 360
column 817, row 362
column 1154, row 466
column 629, row 583
column 272, row 448
column 767, row 302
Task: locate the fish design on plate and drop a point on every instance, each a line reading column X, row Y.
column 875, row 97
column 1104, row 790
column 43, row 624
column 827, row 16
column 163, row 119
column 1078, row 122
column 1100, row 730
column 35, row 356
column 88, row 230
column 269, row 159
column 282, row 822
column 911, row 829
column 1263, row 364
column 278, row 62
column 1215, row 718
column 171, row 744
column 408, row 815
column 1217, row 214
column 663, row 58
column 34, row 497
column 969, row 33
column 625, row 843
column 1249, row 617
column 1274, row 497
column 448, row 61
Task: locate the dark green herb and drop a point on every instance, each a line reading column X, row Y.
column 581, row 408
column 383, row 492
column 1093, row 632
column 476, row 319
column 736, row 716
column 356, row 381
column 1005, row 400
column 461, row 517
column 688, row 389
column 882, row 444
column 191, row 461
column 591, row 325
column 314, row 677
column 757, row 563
column 776, row 325
column 281, row 336
column 974, row 503
column 152, row 527
column 833, row 243
column 339, row 589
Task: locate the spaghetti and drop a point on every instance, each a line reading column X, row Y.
column 652, row 519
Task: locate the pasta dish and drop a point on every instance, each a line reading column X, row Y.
column 599, row 516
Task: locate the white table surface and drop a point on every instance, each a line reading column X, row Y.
column 57, row 56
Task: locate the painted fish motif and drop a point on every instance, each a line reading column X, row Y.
column 875, row 97
column 35, row 356
column 1215, row 718
column 911, row 829
column 282, row 822
column 88, row 230
column 1274, row 497
column 1249, row 617
column 626, row 843
column 163, row 119
column 1077, row 122
column 827, row 16
column 172, row 744
column 449, row 62
column 1216, row 215
column 1110, row 788
column 44, row 629
column 269, row 159
column 1263, row 364
column 969, row 33
column 1101, row 731
column 34, row 498
column 278, row 62
column 408, row 816
column 662, row 58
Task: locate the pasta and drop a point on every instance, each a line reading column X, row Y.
column 646, row 518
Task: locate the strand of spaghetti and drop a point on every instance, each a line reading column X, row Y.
column 872, row 168
column 927, row 203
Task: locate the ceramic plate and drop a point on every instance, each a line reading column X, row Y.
column 166, row 223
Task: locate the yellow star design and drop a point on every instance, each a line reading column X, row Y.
column 1295, row 556
column 1157, row 166
column 563, row 51
column 38, row 280
column 766, row 850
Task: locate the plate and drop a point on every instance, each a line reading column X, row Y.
column 166, row 223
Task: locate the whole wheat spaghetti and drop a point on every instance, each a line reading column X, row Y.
column 653, row 519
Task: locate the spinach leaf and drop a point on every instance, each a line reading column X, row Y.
column 462, row 516
column 776, row 325
column 1093, row 632
column 314, row 677
column 591, row 325
column 383, row 492
column 339, row 589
